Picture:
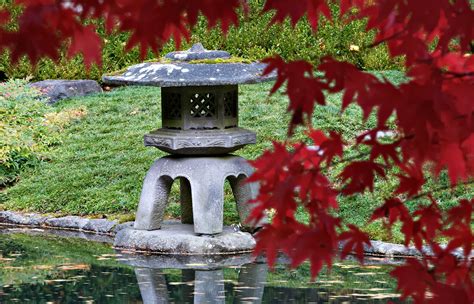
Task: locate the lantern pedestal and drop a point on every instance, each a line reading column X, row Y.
column 202, row 181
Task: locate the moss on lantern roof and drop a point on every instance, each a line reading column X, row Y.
column 164, row 60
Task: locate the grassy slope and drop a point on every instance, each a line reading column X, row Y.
column 100, row 166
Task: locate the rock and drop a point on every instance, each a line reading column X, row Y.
column 13, row 218
column 178, row 238
column 390, row 249
column 122, row 226
column 61, row 89
column 102, row 238
column 67, row 222
column 100, row 226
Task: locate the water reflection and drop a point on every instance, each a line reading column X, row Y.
column 201, row 279
column 203, row 286
column 44, row 268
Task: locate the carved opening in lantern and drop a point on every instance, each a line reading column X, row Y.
column 200, row 107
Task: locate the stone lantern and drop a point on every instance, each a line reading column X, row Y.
column 200, row 127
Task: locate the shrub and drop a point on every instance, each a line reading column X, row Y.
column 28, row 126
column 253, row 39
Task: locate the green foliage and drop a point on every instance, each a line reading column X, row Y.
column 253, row 39
column 23, row 132
column 27, row 128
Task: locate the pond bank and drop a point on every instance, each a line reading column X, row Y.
column 109, row 228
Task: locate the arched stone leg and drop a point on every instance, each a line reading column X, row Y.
column 154, row 198
column 186, row 201
column 152, row 284
column 208, row 205
column 243, row 193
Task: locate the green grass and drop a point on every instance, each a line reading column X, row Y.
column 100, row 166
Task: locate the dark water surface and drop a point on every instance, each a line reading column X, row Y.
column 44, row 268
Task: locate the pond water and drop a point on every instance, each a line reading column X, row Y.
column 37, row 267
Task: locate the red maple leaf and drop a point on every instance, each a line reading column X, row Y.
column 269, row 238
column 414, row 279
column 355, row 241
column 430, row 220
column 412, row 231
column 393, row 209
column 461, row 236
column 412, row 182
column 296, row 10
column 452, row 157
column 455, row 271
column 361, row 175
column 86, row 41
column 386, row 151
column 424, row 225
column 461, row 213
column 356, row 84
column 321, row 236
column 448, row 294
column 4, row 16
column 42, row 40
column 328, row 147
column 303, row 89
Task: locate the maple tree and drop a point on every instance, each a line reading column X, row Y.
column 432, row 111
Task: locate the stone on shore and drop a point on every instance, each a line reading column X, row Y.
column 57, row 90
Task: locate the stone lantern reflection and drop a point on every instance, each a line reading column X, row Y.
column 200, row 127
column 202, row 278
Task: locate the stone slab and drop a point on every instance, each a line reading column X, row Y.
column 57, row 90
column 180, row 239
column 200, row 142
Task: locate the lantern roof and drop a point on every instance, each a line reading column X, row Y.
column 194, row 67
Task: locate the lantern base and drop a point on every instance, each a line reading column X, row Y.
column 200, row 142
column 179, row 239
